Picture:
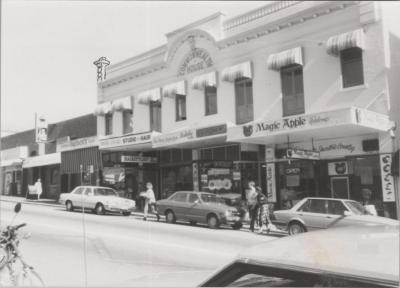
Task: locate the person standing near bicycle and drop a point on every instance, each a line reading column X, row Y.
column 150, row 202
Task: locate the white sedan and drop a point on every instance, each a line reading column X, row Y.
column 96, row 198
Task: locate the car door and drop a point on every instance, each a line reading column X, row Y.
column 314, row 213
column 194, row 208
column 89, row 198
column 178, row 204
column 336, row 211
column 76, row 196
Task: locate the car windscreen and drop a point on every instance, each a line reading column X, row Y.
column 356, row 207
column 251, row 275
column 210, row 198
column 105, row 192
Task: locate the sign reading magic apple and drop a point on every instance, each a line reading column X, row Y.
column 329, row 118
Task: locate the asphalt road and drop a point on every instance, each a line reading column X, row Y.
column 78, row 249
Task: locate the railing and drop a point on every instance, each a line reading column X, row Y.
column 259, row 13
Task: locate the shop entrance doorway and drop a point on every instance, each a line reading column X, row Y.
column 340, row 187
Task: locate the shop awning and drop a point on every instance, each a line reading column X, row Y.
column 285, row 58
column 148, row 96
column 232, row 73
column 71, row 160
column 171, row 90
column 131, row 142
column 42, row 160
column 193, row 137
column 12, row 162
column 201, row 81
column 343, row 41
column 343, row 122
column 122, row 104
column 103, row 109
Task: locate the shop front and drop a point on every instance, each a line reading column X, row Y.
column 46, row 168
column 11, row 170
column 331, row 154
column 129, row 162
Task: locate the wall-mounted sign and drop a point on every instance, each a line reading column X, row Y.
column 236, row 175
column 211, row 131
column 125, row 140
column 78, row 144
column 338, row 168
column 292, row 171
column 271, row 185
column 387, row 178
column 197, row 59
column 302, row 154
column 41, row 129
column 138, row 159
column 174, row 138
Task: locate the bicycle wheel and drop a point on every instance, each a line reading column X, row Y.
column 30, row 278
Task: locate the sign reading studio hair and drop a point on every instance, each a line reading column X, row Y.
column 387, row 178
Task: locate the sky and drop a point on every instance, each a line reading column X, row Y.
column 48, row 49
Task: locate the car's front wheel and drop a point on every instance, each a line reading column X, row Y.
column 100, row 209
column 69, row 206
column 296, row 228
column 170, row 217
column 213, row 221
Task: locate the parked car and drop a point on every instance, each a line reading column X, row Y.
column 366, row 255
column 313, row 213
column 97, row 198
column 199, row 207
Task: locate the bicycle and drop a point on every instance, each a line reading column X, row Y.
column 10, row 257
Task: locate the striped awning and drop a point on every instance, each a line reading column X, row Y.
column 171, row 90
column 71, row 160
column 285, row 58
column 122, row 104
column 201, row 81
column 150, row 95
column 232, row 73
column 103, row 109
column 337, row 43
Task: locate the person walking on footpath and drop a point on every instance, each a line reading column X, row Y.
column 251, row 198
column 150, row 202
column 38, row 188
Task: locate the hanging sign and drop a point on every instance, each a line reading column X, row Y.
column 41, row 130
column 302, row 154
column 387, row 178
column 271, row 185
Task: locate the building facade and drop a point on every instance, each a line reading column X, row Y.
column 23, row 161
column 295, row 95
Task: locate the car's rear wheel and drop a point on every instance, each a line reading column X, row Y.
column 69, row 206
column 100, row 209
column 170, row 216
column 126, row 213
column 213, row 221
column 296, row 228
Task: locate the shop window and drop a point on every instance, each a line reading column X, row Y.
column 219, row 153
column 127, row 121
column 232, row 152
column 180, row 101
column 176, row 155
column 186, row 155
column 210, row 93
column 244, row 100
column 108, row 123
column 177, row 178
column 249, row 155
column 292, row 90
column 155, row 116
column 352, row 67
column 54, row 176
column 165, row 156
column 206, row 154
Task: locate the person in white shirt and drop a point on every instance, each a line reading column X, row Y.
column 38, row 188
column 150, row 202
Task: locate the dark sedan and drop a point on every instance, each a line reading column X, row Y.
column 198, row 207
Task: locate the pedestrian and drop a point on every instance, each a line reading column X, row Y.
column 263, row 212
column 38, row 188
column 150, row 202
column 251, row 198
column 373, row 207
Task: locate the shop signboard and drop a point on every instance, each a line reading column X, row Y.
column 174, row 138
column 293, row 123
column 114, row 175
column 137, row 159
column 387, row 178
column 236, row 175
column 78, row 144
column 125, row 140
column 271, row 185
column 302, row 154
column 219, row 179
column 338, row 168
column 211, row 131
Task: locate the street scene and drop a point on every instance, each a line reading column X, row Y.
column 200, row 144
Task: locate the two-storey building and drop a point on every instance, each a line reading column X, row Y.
column 295, row 95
